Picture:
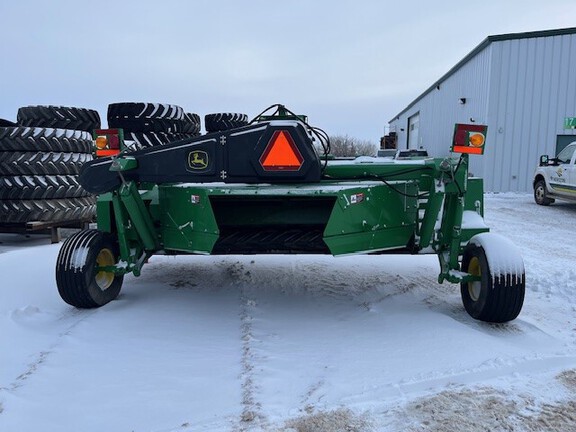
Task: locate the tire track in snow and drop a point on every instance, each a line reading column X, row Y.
column 313, row 396
column 40, row 357
column 252, row 416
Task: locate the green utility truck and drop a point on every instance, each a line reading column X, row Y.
column 271, row 187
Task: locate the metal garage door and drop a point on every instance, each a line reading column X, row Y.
column 413, row 131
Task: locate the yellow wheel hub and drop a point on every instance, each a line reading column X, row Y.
column 103, row 278
column 475, row 287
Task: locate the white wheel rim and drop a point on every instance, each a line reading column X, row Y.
column 540, row 193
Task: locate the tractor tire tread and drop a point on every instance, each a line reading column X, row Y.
column 50, row 210
column 224, row 121
column 144, row 110
column 42, row 163
column 44, row 139
column 32, row 187
column 60, row 117
column 75, row 271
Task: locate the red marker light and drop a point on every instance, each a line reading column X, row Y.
column 469, row 139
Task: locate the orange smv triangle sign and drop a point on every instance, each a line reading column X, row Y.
column 281, row 154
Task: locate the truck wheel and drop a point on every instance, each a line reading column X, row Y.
column 79, row 283
column 499, row 295
column 540, row 194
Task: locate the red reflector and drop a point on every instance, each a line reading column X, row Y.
column 104, row 153
column 114, row 142
column 281, row 153
column 469, row 138
column 465, row 149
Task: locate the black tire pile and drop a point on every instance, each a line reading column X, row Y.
column 41, row 154
column 152, row 124
column 148, row 124
column 223, row 121
column 40, row 158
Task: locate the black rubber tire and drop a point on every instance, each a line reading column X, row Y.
column 224, row 121
column 40, row 163
column 144, row 110
column 40, row 187
column 78, row 282
column 495, row 298
column 541, row 194
column 146, row 117
column 147, row 125
column 143, row 140
column 191, row 124
column 42, row 139
column 52, row 210
column 7, row 123
column 60, row 117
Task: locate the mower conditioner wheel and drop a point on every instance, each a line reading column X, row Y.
column 80, row 283
column 499, row 295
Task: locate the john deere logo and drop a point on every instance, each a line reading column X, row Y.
column 198, row 160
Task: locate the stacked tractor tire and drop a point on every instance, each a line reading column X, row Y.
column 40, row 158
column 152, row 124
column 41, row 154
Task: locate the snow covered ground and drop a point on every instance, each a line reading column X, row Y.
column 293, row 343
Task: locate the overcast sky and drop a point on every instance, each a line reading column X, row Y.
column 349, row 65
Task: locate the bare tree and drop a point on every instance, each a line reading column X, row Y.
column 344, row 145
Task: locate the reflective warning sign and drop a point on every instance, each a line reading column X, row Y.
column 281, row 153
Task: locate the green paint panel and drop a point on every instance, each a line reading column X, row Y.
column 186, row 219
column 104, row 212
column 372, row 218
column 359, row 216
column 474, row 198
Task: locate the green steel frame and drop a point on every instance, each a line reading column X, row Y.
column 416, row 206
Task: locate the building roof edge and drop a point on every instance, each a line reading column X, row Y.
column 478, row 49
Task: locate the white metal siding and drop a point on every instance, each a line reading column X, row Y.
column 533, row 88
column 441, row 108
column 521, row 88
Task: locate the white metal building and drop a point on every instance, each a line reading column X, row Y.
column 521, row 85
